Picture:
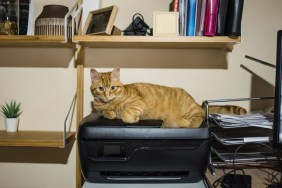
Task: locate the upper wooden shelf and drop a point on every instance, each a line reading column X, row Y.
column 35, row 138
column 12, row 41
column 180, row 42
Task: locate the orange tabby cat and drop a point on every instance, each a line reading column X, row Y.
column 132, row 102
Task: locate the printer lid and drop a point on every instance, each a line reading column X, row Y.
column 95, row 126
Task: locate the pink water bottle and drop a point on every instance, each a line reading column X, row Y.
column 211, row 17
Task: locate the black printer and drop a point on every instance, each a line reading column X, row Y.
column 111, row 151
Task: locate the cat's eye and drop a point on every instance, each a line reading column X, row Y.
column 101, row 88
column 113, row 87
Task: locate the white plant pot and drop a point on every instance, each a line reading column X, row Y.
column 12, row 124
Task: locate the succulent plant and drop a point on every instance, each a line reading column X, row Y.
column 11, row 109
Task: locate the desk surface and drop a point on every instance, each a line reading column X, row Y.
column 260, row 177
column 167, row 185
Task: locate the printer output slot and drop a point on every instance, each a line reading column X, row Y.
column 144, row 175
column 120, row 156
column 109, row 159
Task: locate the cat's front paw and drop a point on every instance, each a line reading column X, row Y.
column 129, row 118
column 109, row 114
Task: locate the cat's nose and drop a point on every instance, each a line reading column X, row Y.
column 107, row 94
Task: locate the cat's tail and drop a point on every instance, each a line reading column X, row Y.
column 227, row 109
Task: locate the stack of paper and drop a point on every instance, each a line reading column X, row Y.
column 249, row 120
column 241, row 135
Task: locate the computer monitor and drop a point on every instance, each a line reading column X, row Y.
column 277, row 128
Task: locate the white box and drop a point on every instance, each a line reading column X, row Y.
column 165, row 24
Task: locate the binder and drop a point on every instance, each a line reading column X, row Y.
column 200, row 20
column 221, row 18
column 234, row 17
column 211, row 17
column 181, row 9
column 192, row 4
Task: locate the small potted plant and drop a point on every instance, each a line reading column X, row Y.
column 11, row 111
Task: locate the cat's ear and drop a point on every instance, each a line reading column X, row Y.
column 94, row 75
column 115, row 74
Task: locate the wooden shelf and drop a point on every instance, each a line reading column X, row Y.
column 217, row 42
column 35, row 138
column 34, row 41
column 181, row 42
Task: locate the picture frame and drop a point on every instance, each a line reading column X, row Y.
column 89, row 5
column 101, row 21
column 165, row 24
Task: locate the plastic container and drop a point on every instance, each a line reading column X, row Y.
column 9, row 17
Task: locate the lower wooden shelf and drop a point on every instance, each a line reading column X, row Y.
column 35, row 41
column 35, row 138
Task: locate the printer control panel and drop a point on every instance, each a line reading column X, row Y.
column 112, row 150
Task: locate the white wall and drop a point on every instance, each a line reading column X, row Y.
column 45, row 81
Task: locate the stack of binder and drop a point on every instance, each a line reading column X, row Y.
column 209, row 17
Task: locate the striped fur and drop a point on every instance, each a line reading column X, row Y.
column 136, row 101
column 226, row 109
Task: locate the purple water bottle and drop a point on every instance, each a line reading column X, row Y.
column 211, row 17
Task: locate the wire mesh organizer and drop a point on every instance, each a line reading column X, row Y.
column 245, row 154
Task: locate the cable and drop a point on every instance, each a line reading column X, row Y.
column 134, row 17
column 138, row 26
column 241, row 146
column 273, row 177
column 233, row 164
column 260, row 61
column 219, row 180
column 205, row 182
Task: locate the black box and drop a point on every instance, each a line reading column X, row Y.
column 111, row 151
column 236, row 181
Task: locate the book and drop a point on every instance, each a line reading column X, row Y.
column 185, row 12
column 181, row 17
column 175, row 7
column 171, row 6
column 211, row 17
column 221, row 18
column 191, row 15
column 234, row 17
column 198, row 17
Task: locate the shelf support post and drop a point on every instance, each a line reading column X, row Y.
column 79, row 110
column 79, row 61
